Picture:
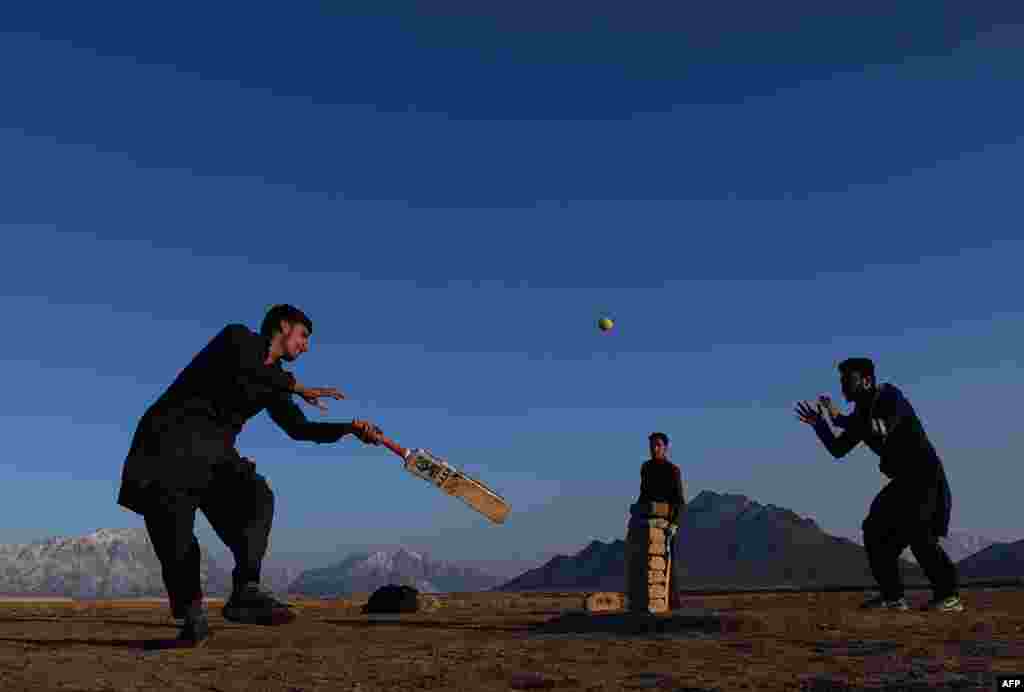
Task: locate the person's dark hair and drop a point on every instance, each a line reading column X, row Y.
column 288, row 313
column 658, row 436
column 864, row 366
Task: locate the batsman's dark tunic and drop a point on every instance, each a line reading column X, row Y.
column 890, row 427
column 192, row 427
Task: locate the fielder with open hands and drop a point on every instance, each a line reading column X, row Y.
column 808, row 413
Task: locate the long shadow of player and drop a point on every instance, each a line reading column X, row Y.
column 80, row 620
column 59, row 643
column 155, row 644
column 427, row 624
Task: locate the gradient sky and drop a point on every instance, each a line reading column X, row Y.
column 753, row 193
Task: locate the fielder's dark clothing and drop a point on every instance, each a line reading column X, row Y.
column 661, row 481
column 915, row 506
column 183, row 457
column 893, row 525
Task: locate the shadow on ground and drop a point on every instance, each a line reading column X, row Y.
column 80, row 620
column 424, row 624
column 685, row 623
column 682, row 622
column 63, row 643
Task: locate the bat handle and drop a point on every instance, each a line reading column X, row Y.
column 394, row 446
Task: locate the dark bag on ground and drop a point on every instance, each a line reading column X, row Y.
column 393, row 598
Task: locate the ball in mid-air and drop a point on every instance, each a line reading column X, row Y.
column 605, row 324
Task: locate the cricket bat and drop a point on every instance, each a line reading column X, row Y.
column 435, row 470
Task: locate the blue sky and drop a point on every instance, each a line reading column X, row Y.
column 455, row 199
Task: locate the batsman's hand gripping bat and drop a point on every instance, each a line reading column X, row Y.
column 433, row 469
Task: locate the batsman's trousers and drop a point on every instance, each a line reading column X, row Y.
column 239, row 505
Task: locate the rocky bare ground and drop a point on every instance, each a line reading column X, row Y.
column 500, row 641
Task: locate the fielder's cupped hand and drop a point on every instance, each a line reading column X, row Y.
column 809, row 414
column 312, row 395
column 826, row 403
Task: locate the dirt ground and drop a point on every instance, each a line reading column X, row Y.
column 484, row 642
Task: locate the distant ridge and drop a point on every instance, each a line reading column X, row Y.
column 997, row 561
column 728, row 541
column 108, row 563
column 366, row 572
column 958, row 544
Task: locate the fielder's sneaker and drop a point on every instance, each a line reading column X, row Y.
column 880, row 603
column 253, row 605
column 950, row 604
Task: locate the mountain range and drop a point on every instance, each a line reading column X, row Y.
column 994, row 562
column 729, row 540
column 366, row 572
column 958, row 544
column 726, row 540
column 108, row 563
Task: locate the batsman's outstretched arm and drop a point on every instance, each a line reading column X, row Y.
column 287, row 415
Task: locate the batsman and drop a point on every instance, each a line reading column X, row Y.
column 914, row 507
column 183, row 458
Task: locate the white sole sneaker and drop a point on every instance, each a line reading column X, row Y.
column 949, row 605
column 899, row 605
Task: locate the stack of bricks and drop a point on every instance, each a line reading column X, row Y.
column 648, row 564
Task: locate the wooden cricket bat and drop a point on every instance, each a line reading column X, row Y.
column 435, row 470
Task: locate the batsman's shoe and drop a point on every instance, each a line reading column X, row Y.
column 180, row 609
column 195, row 632
column 881, row 603
column 253, row 605
column 950, row 604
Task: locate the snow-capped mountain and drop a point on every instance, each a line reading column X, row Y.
column 108, row 563
column 366, row 572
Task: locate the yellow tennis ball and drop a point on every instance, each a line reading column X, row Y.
column 605, row 324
